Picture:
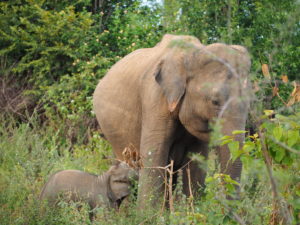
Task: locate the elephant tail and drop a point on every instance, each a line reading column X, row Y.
column 101, row 132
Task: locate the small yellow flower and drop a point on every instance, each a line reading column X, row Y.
column 133, row 44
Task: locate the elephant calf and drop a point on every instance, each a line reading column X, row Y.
column 108, row 189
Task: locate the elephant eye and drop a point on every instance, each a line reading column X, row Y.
column 121, row 181
column 216, row 102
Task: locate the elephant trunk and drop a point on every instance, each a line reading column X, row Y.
column 230, row 124
column 232, row 168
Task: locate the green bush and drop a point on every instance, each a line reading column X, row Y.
column 29, row 154
column 60, row 52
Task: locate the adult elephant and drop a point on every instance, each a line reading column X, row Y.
column 162, row 100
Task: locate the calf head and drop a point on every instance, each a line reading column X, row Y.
column 121, row 178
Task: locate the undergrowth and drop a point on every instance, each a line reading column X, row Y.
column 30, row 153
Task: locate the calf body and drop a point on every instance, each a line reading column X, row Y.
column 107, row 190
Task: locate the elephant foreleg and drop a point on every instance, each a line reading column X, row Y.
column 194, row 172
column 154, row 151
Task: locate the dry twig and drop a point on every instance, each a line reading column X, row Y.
column 191, row 197
column 170, row 171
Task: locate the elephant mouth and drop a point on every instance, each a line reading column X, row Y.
column 202, row 134
column 206, row 131
column 119, row 201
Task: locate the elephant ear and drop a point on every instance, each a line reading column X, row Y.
column 112, row 199
column 173, row 83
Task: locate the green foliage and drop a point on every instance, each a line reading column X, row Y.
column 131, row 29
column 57, row 52
column 61, row 50
column 283, row 134
column 282, row 140
column 269, row 30
column 262, row 26
column 28, row 156
column 44, row 43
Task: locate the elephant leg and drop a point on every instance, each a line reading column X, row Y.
column 154, row 151
column 194, row 173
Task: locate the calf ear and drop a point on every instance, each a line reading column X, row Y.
column 168, row 75
column 110, row 195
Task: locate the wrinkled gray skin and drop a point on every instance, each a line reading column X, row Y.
column 106, row 190
column 162, row 100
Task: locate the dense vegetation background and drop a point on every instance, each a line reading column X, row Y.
column 52, row 54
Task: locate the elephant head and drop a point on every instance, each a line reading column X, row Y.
column 120, row 181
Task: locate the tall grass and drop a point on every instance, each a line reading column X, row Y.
column 30, row 153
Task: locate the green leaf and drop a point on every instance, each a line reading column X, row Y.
column 287, row 161
column 234, row 146
column 248, row 146
column 277, row 132
column 209, row 179
column 226, row 141
column 234, row 149
column 280, row 153
column 226, row 137
column 230, row 188
column 293, row 136
column 268, row 112
column 239, row 132
column 228, row 179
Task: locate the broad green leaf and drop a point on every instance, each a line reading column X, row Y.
column 280, row 153
column 239, row 132
column 268, row 112
column 287, row 161
column 234, row 149
column 228, row 179
column 230, row 188
column 277, row 132
column 226, row 137
column 233, row 146
column 209, row 179
column 248, row 146
column 293, row 136
column 226, row 141
column 254, row 136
